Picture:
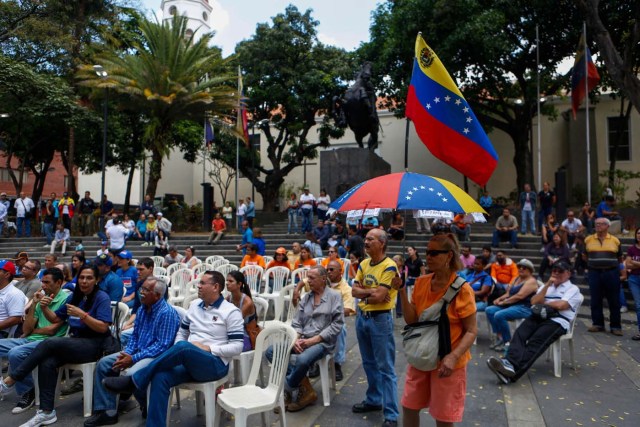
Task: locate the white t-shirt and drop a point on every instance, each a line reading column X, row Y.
column 12, row 302
column 306, row 201
column 242, row 209
column 22, row 205
column 323, row 202
column 572, row 226
column 117, row 233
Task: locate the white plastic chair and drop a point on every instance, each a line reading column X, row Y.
column 253, row 276
column 262, row 305
column 211, row 259
column 206, row 389
column 218, row 263
column 347, row 266
column 279, row 278
column 327, row 377
column 188, row 299
column 299, row 274
column 556, row 347
column 175, row 267
column 286, row 294
column 158, row 261
column 179, row 285
column 319, row 260
column 226, row 269
column 250, row 399
column 267, row 259
column 159, row 271
column 200, row 268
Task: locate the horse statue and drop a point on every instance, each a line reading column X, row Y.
column 358, row 109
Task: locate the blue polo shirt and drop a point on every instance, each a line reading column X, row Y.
column 112, row 285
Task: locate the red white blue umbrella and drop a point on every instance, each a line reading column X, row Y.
column 406, row 190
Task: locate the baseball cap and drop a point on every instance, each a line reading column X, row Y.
column 125, row 254
column 3, row 194
column 281, row 250
column 159, row 214
column 561, row 265
column 104, row 242
column 8, row 266
column 21, row 255
column 103, row 259
column 526, row 263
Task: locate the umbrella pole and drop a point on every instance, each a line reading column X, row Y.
column 406, row 146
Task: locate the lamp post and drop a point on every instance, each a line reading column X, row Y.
column 102, row 73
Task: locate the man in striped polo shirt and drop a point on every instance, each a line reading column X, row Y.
column 604, row 255
column 211, row 333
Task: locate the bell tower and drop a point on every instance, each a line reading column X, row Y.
column 198, row 12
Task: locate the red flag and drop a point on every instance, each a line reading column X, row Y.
column 583, row 67
column 241, row 123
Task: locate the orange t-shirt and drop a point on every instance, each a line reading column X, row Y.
column 463, row 305
column 325, row 262
column 275, row 263
column 305, row 263
column 218, row 225
column 253, row 260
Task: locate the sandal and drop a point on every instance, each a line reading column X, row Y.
column 636, row 337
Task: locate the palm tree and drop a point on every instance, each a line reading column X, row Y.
column 166, row 77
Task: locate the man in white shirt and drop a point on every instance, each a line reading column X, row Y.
column 61, row 238
column 163, row 224
column 307, row 201
column 12, row 300
column 117, row 234
column 24, row 210
column 572, row 226
column 3, row 216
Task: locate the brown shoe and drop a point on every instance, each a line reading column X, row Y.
column 595, row 328
column 616, row 332
column 306, row 396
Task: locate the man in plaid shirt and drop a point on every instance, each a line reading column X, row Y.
column 155, row 330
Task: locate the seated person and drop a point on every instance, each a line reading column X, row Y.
column 333, row 256
column 572, row 227
column 506, row 229
column 396, row 229
column 30, row 284
column 190, row 259
column 62, row 238
column 554, row 251
column 504, row 270
column 252, row 257
column 305, row 260
column 514, row 304
column 533, row 337
column 240, row 296
column 210, row 334
column 35, row 328
column 218, row 227
column 313, row 246
column 156, row 325
column 467, row 259
column 129, row 276
column 322, row 234
column 440, row 226
column 318, row 321
column 367, row 224
column 172, row 257
column 480, row 282
column 279, row 259
column 12, row 300
column 461, row 228
column 259, row 242
column 606, row 209
column 489, row 255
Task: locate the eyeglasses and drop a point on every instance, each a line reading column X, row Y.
column 601, row 223
column 145, row 290
column 202, row 282
column 436, row 252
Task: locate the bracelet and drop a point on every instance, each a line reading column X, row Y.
column 84, row 317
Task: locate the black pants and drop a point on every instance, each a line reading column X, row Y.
column 49, row 355
column 530, row 340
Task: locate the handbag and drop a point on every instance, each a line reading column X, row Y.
column 542, row 312
column 427, row 341
column 253, row 330
column 28, row 213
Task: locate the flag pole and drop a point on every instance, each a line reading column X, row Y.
column 538, row 106
column 238, row 151
column 586, row 94
column 204, row 148
column 406, row 146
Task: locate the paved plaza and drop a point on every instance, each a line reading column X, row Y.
column 604, row 391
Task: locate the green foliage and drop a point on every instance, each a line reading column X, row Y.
column 620, row 182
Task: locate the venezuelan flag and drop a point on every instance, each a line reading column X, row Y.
column 582, row 70
column 444, row 120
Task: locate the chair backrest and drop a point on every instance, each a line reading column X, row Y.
column 188, row 299
column 262, row 305
column 299, row 274
column 347, row 266
column 192, row 287
column 226, row 269
column 175, row 267
column 253, row 276
column 200, row 268
column 180, row 280
column 213, row 258
column 218, row 263
column 319, row 260
column 167, row 279
column 267, row 259
column 572, row 324
column 119, row 312
column 159, row 271
column 158, row 261
column 280, row 278
column 281, row 338
column 287, row 294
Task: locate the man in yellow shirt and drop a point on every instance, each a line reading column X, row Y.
column 374, row 327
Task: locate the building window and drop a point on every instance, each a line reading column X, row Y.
column 618, row 130
column 173, row 10
column 5, row 177
column 205, row 16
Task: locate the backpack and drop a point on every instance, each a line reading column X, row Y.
column 428, row 340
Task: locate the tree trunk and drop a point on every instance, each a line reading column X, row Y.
column 127, row 196
column 270, row 192
column 69, row 165
column 616, row 143
column 522, row 159
column 155, row 172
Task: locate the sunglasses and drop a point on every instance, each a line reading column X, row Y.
column 436, row 252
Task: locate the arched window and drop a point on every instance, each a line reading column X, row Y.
column 205, row 17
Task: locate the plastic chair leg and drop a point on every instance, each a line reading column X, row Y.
column 87, row 390
column 557, row 359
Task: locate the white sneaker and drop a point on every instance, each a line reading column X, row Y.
column 46, row 246
column 41, row 419
column 4, row 387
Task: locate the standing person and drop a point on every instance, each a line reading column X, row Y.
column 443, row 389
column 323, row 201
column 210, row 334
column 88, row 312
column 147, row 207
column 240, row 212
column 24, row 212
column 247, row 238
column 528, row 209
column 117, row 234
column 604, row 255
column 218, row 227
column 86, row 207
column 106, row 210
column 374, row 328
column 250, row 213
column 632, row 263
column 307, row 202
column 227, row 214
column 547, row 199
column 292, row 212
column 66, row 206
column 49, row 222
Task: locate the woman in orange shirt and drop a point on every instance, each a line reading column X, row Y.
column 443, row 389
column 279, row 259
column 333, row 255
column 305, row 258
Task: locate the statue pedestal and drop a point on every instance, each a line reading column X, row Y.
column 343, row 168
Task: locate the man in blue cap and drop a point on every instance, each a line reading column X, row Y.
column 109, row 281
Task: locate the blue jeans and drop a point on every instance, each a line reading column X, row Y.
column 17, row 349
column 299, row 364
column 605, row 284
column 104, row 400
column 461, row 233
column 528, row 217
column 125, row 336
column 481, row 306
column 48, row 232
column 341, row 347
column 634, row 286
column 24, row 227
column 499, row 318
column 378, row 352
column 240, row 218
column 307, row 219
column 184, row 362
column 543, row 214
column 293, row 220
column 501, row 236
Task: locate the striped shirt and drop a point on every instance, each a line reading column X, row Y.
column 605, row 254
column 218, row 325
column 154, row 331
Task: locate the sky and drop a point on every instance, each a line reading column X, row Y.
column 343, row 23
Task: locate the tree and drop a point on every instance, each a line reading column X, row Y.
column 165, row 77
column 488, row 47
column 616, row 28
column 290, row 79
